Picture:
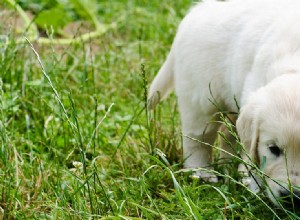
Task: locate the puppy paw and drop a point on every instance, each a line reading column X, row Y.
column 249, row 182
column 205, row 176
column 246, row 180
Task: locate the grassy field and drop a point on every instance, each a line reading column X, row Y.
column 77, row 142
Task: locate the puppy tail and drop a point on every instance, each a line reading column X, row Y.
column 162, row 84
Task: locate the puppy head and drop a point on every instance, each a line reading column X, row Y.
column 269, row 128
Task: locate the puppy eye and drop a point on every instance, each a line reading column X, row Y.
column 275, row 150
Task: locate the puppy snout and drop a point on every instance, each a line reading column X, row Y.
column 291, row 200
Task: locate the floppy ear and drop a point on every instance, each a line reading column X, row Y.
column 247, row 128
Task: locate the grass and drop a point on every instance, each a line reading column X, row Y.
column 77, row 142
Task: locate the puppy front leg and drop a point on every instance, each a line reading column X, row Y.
column 197, row 153
column 251, row 181
column 198, row 138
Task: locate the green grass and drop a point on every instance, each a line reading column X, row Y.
column 76, row 142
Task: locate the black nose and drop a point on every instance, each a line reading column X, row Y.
column 291, row 200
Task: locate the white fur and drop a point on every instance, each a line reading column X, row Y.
column 234, row 50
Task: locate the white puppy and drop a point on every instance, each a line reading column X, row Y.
column 247, row 51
